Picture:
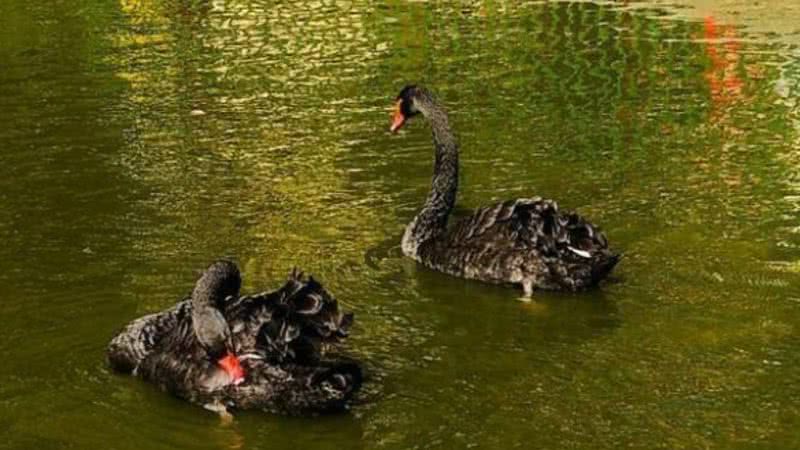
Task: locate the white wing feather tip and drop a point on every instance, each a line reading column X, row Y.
column 578, row 252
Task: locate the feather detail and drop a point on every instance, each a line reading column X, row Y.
column 524, row 241
column 581, row 253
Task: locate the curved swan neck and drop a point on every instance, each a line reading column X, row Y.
column 220, row 280
column 431, row 221
column 444, row 185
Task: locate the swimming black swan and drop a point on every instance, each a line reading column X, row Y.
column 527, row 241
column 253, row 352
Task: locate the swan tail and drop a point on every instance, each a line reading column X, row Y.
column 604, row 265
column 575, row 249
column 138, row 339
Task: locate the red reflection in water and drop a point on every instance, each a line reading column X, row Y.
column 724, row 83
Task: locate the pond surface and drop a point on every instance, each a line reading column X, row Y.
column 141, row 139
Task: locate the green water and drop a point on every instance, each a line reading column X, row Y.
column 141, row 139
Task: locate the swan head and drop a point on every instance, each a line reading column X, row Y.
column 405, row 106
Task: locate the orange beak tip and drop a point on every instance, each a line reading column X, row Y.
column 398, row 119
column 398, row 122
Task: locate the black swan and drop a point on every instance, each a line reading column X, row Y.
column 261, row 352
column 526, row 242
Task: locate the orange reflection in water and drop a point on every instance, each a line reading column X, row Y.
column 723, row 50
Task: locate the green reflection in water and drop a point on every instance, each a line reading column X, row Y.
column 144, row 138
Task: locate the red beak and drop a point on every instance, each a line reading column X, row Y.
column 399, row 118
column 231, row 365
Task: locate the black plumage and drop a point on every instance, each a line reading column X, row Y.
column 528, row 242
column 279, row 337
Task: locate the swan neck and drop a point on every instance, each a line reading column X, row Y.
column 444, row 185
column 431, row 221
column 219, row 281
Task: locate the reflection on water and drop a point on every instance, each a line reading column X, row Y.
column 144, row 138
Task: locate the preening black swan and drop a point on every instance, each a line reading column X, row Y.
column 526, row 242
column 263, row 351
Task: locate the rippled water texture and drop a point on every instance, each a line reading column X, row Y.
column 141, row 139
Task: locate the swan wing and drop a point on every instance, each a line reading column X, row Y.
column 530, row 224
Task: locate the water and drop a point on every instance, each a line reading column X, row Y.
column 144, row 138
